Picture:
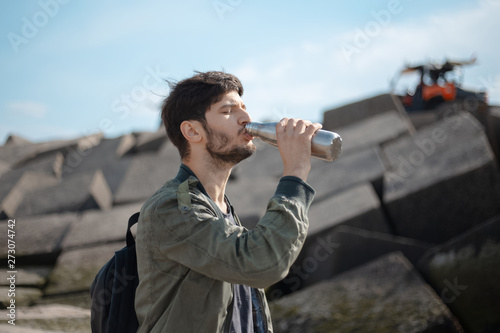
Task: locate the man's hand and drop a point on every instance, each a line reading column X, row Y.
column 294, row 142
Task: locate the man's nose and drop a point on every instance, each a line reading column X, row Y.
column 245, row 117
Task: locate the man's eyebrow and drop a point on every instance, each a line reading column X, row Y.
column 231, row 104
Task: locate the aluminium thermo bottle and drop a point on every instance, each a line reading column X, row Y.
column 326, row 145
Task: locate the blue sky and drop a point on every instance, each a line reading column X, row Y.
column 71, row 68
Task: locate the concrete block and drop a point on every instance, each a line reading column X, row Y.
column 15, row 184
column 373, row 131
column 115, row 172
column 256, row 180
column 421, row 119
column 4, row 168
column 50, row 164
column 7, row 328
column 28, row 276
column 167, row 149
column 352, row 113
column 149, row 141
column 9, row 182
column 76, row 269
column 493, row 130
column 329, row 178
column 266, row 162
column 386, row 295
column 53, row 311
column 470, row 105
column 465, row 273
column 28, row 182
column 81, row 192
column 38, row 238
column 97, row 157
column 50, row 318
column 80, row 299
column 18, row 155
column 16, row 140
column 99, row 227
column 442, row 181
column 249, row 197
column 144, row 175
column 24, row 297
column 358, row 206
column 330, row 253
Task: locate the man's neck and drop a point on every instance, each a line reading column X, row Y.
column 213, row 176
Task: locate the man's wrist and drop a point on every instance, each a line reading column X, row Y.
column 301, row 173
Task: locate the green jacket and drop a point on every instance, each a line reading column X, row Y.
column 189, row 256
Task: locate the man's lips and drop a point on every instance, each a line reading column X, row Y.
column 248, row 137
column 246, row 134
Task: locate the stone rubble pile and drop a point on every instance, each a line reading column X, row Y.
column 404, row 232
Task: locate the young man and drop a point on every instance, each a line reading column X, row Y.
column 199, row 269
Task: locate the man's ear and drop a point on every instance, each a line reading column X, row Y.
column 191, row 129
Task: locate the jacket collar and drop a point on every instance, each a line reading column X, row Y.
column 184, row 173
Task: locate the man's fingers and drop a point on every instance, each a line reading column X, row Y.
column 292, row 125
column 301, row 126
column 281, row 125
column 313, row 128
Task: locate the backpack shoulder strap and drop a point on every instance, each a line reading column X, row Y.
column 131, row 221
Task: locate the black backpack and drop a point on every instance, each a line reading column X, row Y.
column 113, row 290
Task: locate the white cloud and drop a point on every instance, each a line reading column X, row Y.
column 148, row 110
column 27, row 108
column 455, row 36
column 305, row 79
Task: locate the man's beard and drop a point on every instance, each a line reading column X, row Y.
column 217, row 141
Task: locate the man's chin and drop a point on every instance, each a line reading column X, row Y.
column 251, row 146
column 235, row 155
column 245, row 152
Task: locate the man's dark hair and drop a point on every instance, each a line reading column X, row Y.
column 190, row 99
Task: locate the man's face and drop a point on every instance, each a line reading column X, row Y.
column 227, row 140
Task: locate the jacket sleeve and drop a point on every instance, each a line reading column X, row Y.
column 186, row 229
